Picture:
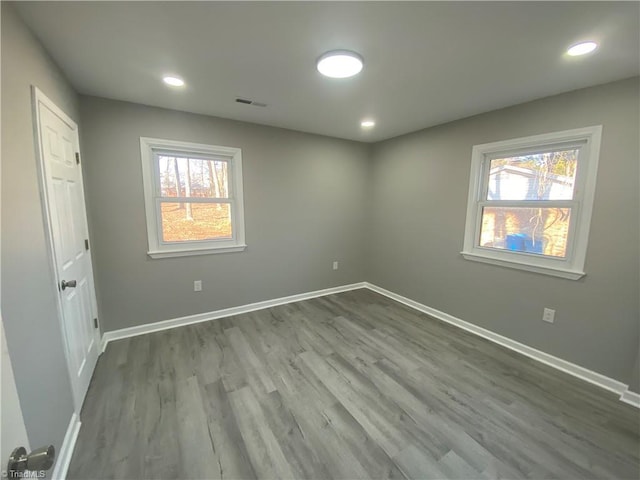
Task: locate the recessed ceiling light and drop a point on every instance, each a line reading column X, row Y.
column 582, row 48
column 340, row 64
column 367, row 124
column 173, row 81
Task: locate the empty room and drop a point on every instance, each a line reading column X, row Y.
column 320, row 240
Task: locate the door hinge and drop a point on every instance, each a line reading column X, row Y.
column 78, row 158
column 86, row 244
column 95, row 323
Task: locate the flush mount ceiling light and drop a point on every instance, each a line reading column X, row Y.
column 582, row 48
column 173, row 81
column 367, row 124
column 340, row 64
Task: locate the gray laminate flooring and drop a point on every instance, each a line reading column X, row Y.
column 346, row 386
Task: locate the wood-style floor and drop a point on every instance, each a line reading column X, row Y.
column 348, row 386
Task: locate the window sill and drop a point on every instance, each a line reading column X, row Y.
column 195, row 251
column 544, row 270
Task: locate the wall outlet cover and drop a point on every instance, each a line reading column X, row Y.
column 549, row 315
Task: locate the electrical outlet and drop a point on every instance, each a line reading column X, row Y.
column 197, row 285
column 335, row 265
column 549, row 315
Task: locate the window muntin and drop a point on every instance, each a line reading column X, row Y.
column 530, row 202
column 193, row 198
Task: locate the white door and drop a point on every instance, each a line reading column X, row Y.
column 59, row 157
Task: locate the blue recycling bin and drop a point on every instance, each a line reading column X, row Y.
column 516, row 242
column 533, row 245
column 521, row 242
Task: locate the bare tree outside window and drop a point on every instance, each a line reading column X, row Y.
column 187, row 190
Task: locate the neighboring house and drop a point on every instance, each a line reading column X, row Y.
column 508, row 181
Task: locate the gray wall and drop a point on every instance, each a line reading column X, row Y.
column 420, row 185
column 28, row 287
column 305, row 196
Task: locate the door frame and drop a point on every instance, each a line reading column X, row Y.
column 39, row 97
column 14, row 430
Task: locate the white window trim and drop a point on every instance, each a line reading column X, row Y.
column 158, row 249
column 571, row 267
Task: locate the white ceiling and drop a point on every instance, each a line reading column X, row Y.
column 426, row 63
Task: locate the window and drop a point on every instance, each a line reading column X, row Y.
column 530, row 202
column 193, row 198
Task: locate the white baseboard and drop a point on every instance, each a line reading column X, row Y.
column 104, row 340
column 571, row 368
column 66, row 450
column 555, row 362
column 204, row 317
column 632, row 398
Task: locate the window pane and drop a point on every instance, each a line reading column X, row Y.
column 193, row 177
column 182, row 222
column 542, row 231
column 539, row 176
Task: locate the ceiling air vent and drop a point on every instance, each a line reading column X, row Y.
column 246, row 101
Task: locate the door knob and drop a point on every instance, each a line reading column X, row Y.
column 38, row 460
column 64, row 284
